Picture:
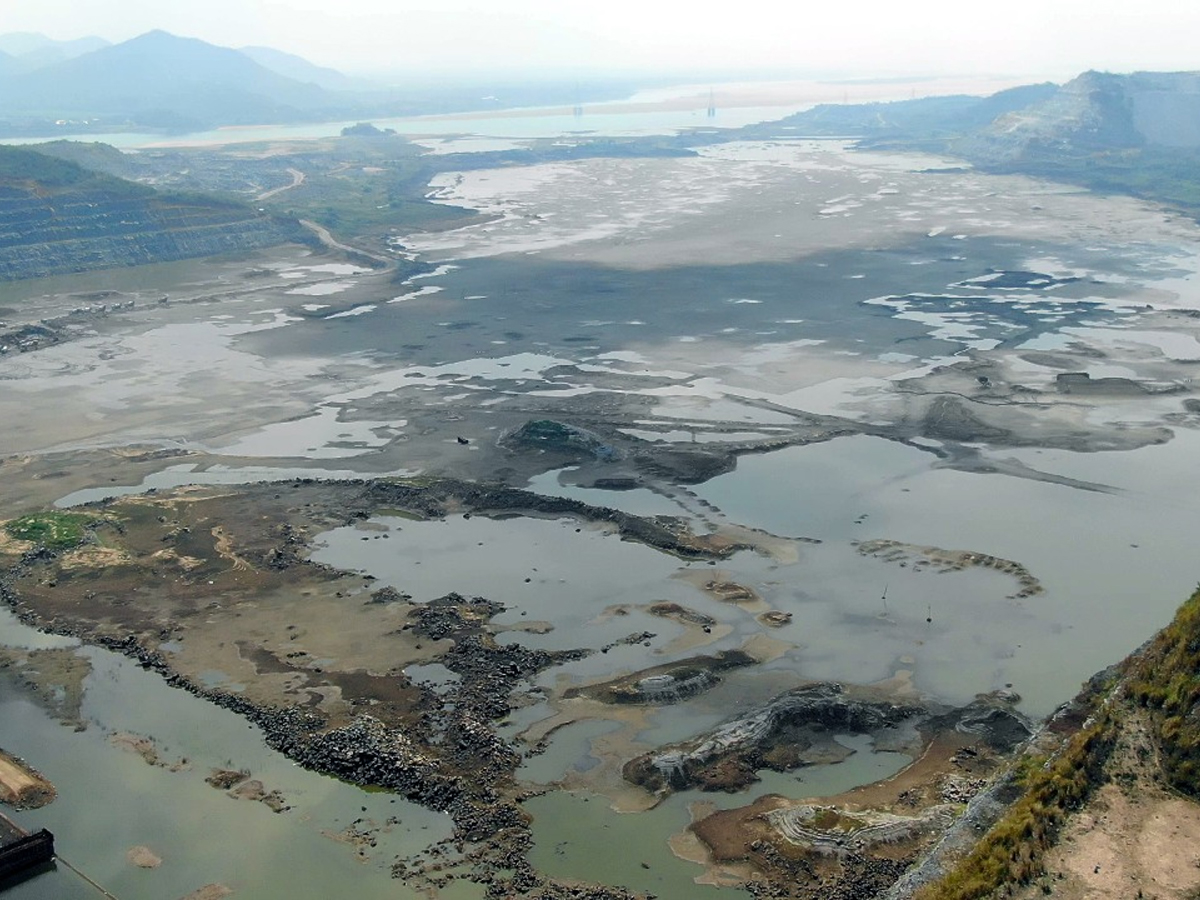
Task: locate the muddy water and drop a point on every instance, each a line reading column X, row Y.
column 578, row 835
column 554, row 571
column 110, row 799
column 572, row 580
column 1115, row 565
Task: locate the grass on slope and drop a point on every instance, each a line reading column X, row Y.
column 1013, row 850
column 1164, row 678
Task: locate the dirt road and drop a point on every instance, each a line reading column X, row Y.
column 297, row 180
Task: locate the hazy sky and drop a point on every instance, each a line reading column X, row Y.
column 869, row 37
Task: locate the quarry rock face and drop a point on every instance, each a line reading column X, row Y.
column 54, row 234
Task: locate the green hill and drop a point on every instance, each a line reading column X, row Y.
column 50, row 174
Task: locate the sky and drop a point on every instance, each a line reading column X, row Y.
column 866, row 38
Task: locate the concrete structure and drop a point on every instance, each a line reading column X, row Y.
column 20, row 851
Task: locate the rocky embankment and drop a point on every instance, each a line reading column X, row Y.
column 728, row 757
column 436, row 497
column 435, row 744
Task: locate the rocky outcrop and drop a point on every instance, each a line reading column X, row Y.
column 780, row 734
column 560, row 438
column 669, row 683
column 828, row 831
column 737, row 748
column 1097, row 111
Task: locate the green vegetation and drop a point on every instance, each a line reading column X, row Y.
column 1012, row 851
column 55, row 173
column 54, row 530
column 364, row 186
column 1165, row 678
column 832, row 820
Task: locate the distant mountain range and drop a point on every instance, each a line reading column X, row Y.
column 1137, row 133
column 300, row 69
column 1096, row 111
column 25, row 51
column 160, row 80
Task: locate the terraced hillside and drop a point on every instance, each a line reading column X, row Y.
column 57, row 217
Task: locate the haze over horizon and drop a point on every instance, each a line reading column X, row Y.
column 864, row 38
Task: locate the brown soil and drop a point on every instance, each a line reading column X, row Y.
column 224, row 779
column 143, row 857
column 212, row 588
column 744, row 836
column 914, row 786
column 20, row 786
column 1133, row 838
column 254, row 790
column 728, row 834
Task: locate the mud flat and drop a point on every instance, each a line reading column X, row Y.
column 222, row 621
column 214, row 589
column 837, row 370
column 854, row 844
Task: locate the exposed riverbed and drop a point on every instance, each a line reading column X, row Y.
column 868, row 360
column 111, row 799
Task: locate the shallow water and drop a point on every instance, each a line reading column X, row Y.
column 542, row 570
column 1123, row 553
column 863, row 766
column 570, row 750
column 854, row 618
column 109, row 799
column 578, row 835
column 188, row 473
column 637, row 501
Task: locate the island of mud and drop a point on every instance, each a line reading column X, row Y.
column 199, row 581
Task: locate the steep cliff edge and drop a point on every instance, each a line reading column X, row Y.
column 1094, row 113
column 1109, row 793
column 57, row 217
